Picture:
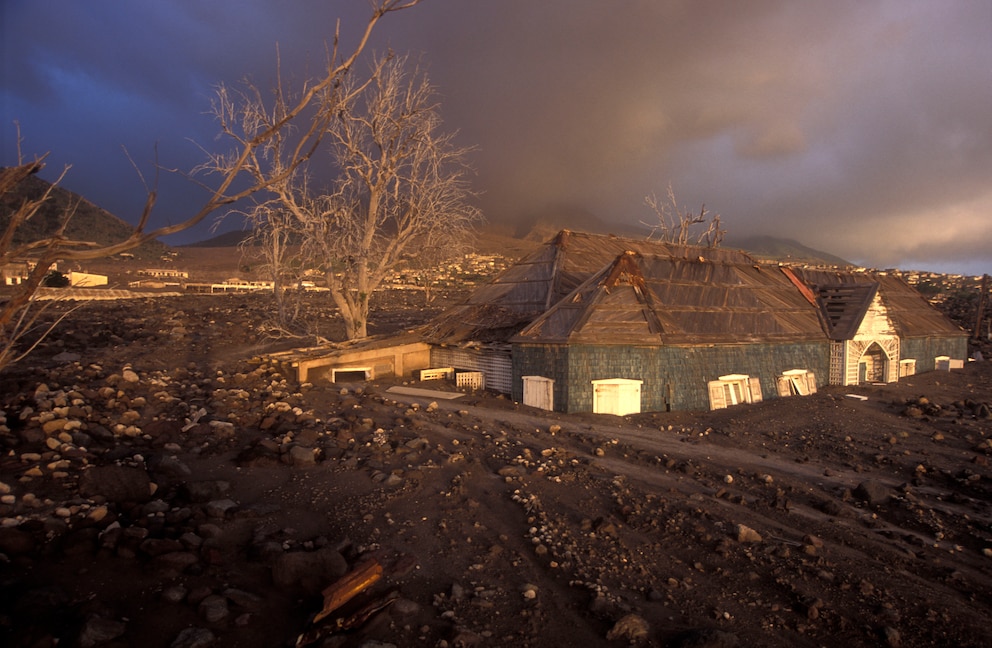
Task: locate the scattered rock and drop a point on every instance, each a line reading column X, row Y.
column 747, row 534
column 631, row 628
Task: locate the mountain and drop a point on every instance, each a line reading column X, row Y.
column 516, row 240
column 88, row 222
column 772, row 248
column 545, row 224
column 227, row 239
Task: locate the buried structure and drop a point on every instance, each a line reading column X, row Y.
column 595, row 323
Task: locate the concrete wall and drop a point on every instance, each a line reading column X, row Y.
column 399, row 360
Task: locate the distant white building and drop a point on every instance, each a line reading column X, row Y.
column 86, row 280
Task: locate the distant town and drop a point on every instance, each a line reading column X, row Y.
column 461, row 273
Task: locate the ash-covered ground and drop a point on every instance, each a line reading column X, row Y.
column 159, row 488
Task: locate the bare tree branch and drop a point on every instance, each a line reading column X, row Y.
column 674, row 224
column 269, row 145
column 401, row 181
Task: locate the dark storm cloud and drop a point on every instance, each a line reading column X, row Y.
column 860, row 128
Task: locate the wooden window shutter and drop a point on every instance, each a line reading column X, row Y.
column 755, row 385
column 717, row 399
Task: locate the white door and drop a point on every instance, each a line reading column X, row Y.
column 617, row 396
column 539, row 392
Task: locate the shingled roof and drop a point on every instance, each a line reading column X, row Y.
column 496, row 311
column 911, row 314
column 641, row 299
column 596, row 289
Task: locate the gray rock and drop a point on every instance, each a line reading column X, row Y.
column 220, row 508
column 194, row 638
column 213, row 609
column 873, row 492
column 174, row 593
column 301, row 456
column 631, row 628
column 116, row 483
column 204, row 491
column 243, row 599
column 169, row 467
column 97, row 631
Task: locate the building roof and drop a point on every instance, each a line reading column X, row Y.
column 499, row 309
column 594, row 289
column 641, row 299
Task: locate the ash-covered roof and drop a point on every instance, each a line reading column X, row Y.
column 496, row 311
column 595, row 289
column 642, row 299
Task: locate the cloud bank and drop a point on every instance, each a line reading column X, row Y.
column 859, row 128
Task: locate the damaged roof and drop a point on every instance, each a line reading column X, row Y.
column 596, row 289
column 497, row 310
column 642, row 299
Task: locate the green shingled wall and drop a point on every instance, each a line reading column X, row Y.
column 925, row 349
column 684, row 371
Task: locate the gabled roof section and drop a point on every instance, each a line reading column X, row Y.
column 612, row 304
column 843, row 306
column 910, row 313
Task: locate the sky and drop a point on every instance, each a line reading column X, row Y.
column 862, row 128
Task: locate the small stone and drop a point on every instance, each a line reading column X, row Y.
column 193, row 638
column 747, row 534
column 214, row 608
column 97, row 631
column 632, row 628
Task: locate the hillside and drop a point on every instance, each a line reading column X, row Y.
column 773, row 248
column 87, row 223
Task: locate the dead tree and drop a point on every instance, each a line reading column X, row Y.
column 286, row 128
column 674, row 224
column 400, row 180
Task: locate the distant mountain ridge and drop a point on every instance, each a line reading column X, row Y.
column 521, row 239
column 92, row 223
column 88, row 222
column 546, row 223
column 233, row 238
column 773, row 248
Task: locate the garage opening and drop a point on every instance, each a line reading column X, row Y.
column 351, row 374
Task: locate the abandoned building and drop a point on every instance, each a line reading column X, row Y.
column 595, row 323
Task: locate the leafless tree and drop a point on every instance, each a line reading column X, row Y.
column 274, row 241
column 674, row 224
column 400, row 180
column 289, row 127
